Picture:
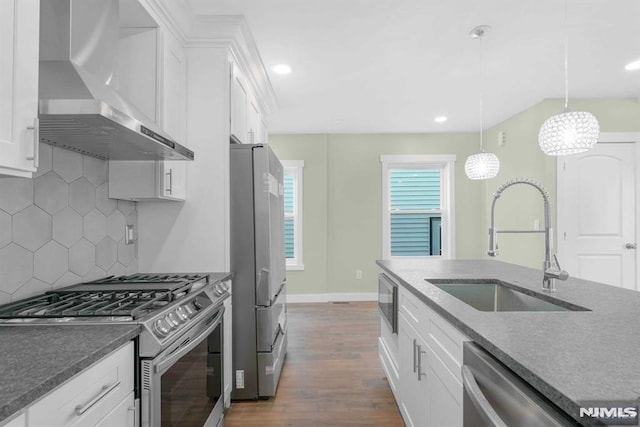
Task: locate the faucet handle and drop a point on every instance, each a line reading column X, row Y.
column 562, row 275
column 493, row 242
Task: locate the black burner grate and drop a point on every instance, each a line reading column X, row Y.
column 127, row 296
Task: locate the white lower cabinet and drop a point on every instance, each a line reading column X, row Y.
column 429, row 348
column 123, row 415
column 18, row 421
column 414, row 377
column 101, row 395
column 445, row 395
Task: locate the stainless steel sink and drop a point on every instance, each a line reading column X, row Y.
column 495, row 295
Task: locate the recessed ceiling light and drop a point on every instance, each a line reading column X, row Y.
column 282, row 69
column 632, row 66
column 440, row 119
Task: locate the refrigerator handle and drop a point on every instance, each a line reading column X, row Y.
column 263, row 278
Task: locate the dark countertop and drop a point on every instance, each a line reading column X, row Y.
column 568, row 356
column 36, row 359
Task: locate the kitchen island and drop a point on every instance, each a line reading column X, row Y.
column 568, row 356
column 37, row 359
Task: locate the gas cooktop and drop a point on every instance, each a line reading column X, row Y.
column 164, row 304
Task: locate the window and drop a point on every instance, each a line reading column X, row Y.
column 293, row 213
column 417, row 206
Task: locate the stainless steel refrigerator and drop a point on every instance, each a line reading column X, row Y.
column 258, row 262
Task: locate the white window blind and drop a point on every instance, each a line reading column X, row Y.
column 293, row 213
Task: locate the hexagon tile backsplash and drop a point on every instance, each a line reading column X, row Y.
column 60, row 227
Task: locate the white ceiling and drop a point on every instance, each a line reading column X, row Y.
column 393, row 65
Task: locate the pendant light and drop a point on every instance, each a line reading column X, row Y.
column 569, row 132
column 481, row 165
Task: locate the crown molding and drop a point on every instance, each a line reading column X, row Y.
column 174, row 15
column 232, row 32
column 218, row 31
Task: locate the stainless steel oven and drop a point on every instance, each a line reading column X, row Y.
column 180, row 349
column 183, row 385
column 388, row 301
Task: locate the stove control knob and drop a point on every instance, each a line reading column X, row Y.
column 189, row 310
column 182, row 314
column 224, row 286
column 161, row 328
column 172, row 320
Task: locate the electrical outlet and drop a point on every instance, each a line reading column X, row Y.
column 240, row 378
column 536, row 224
column 502, row 138
column 358, row 274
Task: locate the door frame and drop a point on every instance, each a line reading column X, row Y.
column 604, row 137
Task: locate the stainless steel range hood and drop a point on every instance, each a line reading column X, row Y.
column 80, row 109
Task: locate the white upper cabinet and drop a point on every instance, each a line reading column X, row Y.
column 19, row 40
column 247, row 124
column 238, row 107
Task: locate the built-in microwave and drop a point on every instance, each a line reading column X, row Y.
column 388, row 301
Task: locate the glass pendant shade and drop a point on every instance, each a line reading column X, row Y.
column 568, row 133
column 482, row 166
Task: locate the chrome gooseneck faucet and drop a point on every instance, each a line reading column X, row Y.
column 550, row 273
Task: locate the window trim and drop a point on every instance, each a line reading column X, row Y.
column 295, row 168
column 444, row 162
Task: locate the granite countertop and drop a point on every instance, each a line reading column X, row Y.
column 36, row 359
column 569, row 356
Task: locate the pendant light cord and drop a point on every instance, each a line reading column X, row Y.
column 481, row 93
column 566, row 55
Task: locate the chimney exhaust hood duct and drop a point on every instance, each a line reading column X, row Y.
column 80, row 109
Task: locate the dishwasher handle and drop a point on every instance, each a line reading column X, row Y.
column 486, row 411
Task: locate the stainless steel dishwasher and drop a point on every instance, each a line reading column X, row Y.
column 496, row 397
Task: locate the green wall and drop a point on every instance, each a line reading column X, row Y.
column 342, row 203
column 342, row 206
column 521, row 156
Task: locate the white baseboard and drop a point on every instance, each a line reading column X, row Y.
column 340, row 297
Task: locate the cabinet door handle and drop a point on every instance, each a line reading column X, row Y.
column 36, row 141
column 420, row 373
column 415, row 363
column 170, row 174
column 106, row 389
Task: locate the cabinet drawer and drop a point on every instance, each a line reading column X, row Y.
column 446, row 341
column 89, row 396
column 123, row 415
column 414, row 311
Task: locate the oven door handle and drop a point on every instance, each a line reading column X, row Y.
column 166, row 363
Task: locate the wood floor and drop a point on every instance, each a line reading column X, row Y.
column 331, row 376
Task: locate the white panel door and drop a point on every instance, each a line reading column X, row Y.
column 596, row 208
